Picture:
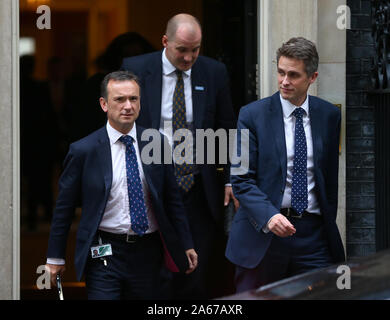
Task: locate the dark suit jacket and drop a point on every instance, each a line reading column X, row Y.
column 212, row 107
column 260, row 190
column 87, row 178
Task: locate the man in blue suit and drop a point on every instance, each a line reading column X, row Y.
column 203, row 82
column 132, row 215
column 286, row 223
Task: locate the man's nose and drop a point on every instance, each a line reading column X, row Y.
column 285, row 80
column 128, row 104
column 188, row 57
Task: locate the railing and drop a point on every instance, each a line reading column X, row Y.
column 380, row 97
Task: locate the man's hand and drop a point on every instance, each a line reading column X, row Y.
column 281, row 226
column 192, row 260
column 54, row 270
column 229, row 195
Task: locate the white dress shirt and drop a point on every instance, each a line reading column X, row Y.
column 289, row 132
column 169, row 79
column 116, row 217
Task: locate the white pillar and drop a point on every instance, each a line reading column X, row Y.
column 9, row 150
column 332, row 48
column 281, row 20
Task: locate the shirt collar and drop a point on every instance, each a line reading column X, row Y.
column 114, row 134
column 288, row 107
column 169, row 68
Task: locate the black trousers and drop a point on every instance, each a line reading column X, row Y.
column 209, row 242
column 132, row 272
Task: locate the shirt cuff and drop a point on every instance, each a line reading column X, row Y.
column 228, row 184
column 265, row 229
column 56, row 261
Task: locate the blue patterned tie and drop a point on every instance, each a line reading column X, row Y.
column 139, row 220
column 183, row 172
column 299, row 181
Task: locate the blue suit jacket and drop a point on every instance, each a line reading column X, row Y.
column 260, row 190
column 87, row 179
column 212, row 108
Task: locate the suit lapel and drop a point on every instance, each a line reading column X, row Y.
column 315, row 124
column 199, row 89
column 277, row 125
column 104, row 156
column 153, row 90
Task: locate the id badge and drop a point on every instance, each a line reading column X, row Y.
column 100, row 251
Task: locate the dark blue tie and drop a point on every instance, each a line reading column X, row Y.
column 139, row 220
column 299, row 181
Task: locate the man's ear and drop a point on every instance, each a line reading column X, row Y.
column 103, row 104
column 313, row 77
column 164, row 40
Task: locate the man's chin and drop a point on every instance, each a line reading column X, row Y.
column 284, row 95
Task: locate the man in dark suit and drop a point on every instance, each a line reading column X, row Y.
column 132, row 215
column 286, row 223
column 179, row 71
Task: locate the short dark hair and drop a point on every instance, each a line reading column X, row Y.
column 117, row 76
column 301, row 49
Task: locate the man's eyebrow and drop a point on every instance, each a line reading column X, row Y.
column 186, row 48
column 126, row 96
column 289, row 72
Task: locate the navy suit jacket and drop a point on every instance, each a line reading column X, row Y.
column 260, row 190
column 87, row 179
column 212, row 108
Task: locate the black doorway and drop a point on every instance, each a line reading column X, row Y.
column 230, row 35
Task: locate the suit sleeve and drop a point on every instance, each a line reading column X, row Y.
column 174, row 205
column 225, row 117
column 133, row 64
column 124, row 66
column 253, row 201
column 67, row 200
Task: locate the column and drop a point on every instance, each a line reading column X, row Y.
column 279, row 21
column 9, row 150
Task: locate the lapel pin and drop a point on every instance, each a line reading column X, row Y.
column 199, row 88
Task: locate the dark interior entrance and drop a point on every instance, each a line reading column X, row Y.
column 230, row 35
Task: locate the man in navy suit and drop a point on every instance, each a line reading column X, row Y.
column 286, row 223
column 132, row 215
column 207, row 105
